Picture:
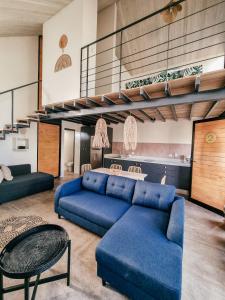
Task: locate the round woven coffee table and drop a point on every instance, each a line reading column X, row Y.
column 30, row 254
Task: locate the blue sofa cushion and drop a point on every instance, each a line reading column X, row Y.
column 18, row 170
column 95, row 182
column 137, row 250
column 175, row 230
column 120, row 187
column 154, row 195
column 99, row 209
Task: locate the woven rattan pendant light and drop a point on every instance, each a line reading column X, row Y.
column 101, row 136
column 130, row 133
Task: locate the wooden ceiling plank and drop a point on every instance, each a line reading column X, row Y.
column 212, row 80
column 213, row 106
column 146, row 115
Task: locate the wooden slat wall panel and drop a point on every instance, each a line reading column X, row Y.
column 208, row 173
column 48, row 148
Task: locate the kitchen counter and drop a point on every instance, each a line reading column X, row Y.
column 148, row 159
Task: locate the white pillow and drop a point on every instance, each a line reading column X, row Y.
column 1, row 176
column 6, row 173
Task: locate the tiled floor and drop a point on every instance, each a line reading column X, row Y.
column 204, row 255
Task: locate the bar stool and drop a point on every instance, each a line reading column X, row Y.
column 135, row 169
column 85, row 168
column 116, row 167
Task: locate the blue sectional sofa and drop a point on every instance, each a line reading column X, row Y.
column 142, row 225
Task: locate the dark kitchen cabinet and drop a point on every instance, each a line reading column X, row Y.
column 85, row 143
column 178, row 176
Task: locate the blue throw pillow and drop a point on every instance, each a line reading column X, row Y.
column 95, row 182
column 154, row 195
column 120, row 187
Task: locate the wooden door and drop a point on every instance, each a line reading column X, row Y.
column 208, row 168
column 48, row 148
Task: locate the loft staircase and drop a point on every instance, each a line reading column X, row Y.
column 14, row 128
column 21, row 123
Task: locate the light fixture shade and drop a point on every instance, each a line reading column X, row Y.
column 130, row 133
column 101, row 136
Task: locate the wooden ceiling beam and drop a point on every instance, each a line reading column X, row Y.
column 215, row 103
column 107, row 100
column 167, row 90
column 125, row 98
column 119, row 115
column 160, row 115
column 147, row 116
column 133, row 115
column 113, row 119
column 197, row 84
column 71, row 107
column 191, row 111
column 216, row 94
column 173, row 109
column 144, row 94
column 92, row 103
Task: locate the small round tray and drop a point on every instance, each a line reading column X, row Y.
column 34, row 251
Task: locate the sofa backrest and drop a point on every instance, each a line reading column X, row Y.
column 120, row 187
column 95, row 182
column 154, row 195
column 18, row 170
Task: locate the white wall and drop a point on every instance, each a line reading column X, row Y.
column 19, row 66
column 76, row 127
column 159, row 132
column 10, row 157
column 78, row 21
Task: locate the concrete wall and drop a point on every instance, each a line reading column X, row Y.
column 78, row 21
column 19, row 66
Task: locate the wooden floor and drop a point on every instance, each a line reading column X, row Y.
column 204, row 255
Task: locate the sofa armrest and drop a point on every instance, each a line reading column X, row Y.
column 175, row 230
column 67, row 189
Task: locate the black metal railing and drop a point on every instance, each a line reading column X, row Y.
column 107, row 69
column 12, row 93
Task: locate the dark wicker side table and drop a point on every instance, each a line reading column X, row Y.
column 30, row 254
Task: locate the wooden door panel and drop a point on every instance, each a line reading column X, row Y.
column 208, row 169
column 48, row 148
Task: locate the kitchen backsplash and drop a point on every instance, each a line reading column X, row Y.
column 155, row 149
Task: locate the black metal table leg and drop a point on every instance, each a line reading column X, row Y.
column 68, row 263
column 35, row 287
column 1, row 286
column 26, row 288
